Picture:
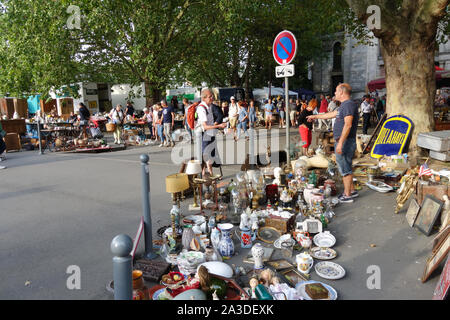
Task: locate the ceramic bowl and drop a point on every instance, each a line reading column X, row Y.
column 324, row 240
column 218, row 268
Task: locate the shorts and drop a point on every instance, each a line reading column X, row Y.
column 233, row 121
column 292, row 114
column 344, row 160
column 282, row 114
column 268, row 117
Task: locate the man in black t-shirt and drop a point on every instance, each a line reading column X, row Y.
column 129, row 111
column 345, row 129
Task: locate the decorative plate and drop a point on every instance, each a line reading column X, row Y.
column 324, row 239
column 323, row 253
column 268, row 234
column 329, row 270
column 284, row 244
column 157, row 293
column 300, row 287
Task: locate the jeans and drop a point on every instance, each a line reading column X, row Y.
column 366, row 122
column 168, row 132
column 150, row 127
column 344, row 160
column 241, row 125
column 188, row 129
column 380, row 114
column 161, row 132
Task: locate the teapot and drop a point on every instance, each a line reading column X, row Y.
column 303, row 239
column 304, row 262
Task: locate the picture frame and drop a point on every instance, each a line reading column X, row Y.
column 293, row 276
column 312, row 226
column 436, row 258
column 278, row 265
column 428, row 213
column 412, row 212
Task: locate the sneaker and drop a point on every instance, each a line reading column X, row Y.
column 354, row 194
column 173, row 144
column 2, row 167
column 344, row 199
column 161, row 145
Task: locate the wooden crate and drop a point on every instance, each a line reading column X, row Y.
column 7, row 107
column 12, row 141
column 21, row 107
column 14, row 126
column 436, row 191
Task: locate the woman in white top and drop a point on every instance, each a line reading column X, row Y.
column 117, row 116
column 155, row 117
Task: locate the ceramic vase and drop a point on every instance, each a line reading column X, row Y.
column 246, row 238
column 188, row 235
column 226, row 245
column 215, row 237
column 258, row 253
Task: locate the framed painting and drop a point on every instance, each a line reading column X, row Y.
column 278, row 265
column 436, row 258
column 293, row 276
column 412, row 212
column 428, row 213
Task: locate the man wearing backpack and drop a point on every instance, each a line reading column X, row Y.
column 205, row 126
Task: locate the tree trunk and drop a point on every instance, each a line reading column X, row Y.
column 411, row 85
column 152, row 94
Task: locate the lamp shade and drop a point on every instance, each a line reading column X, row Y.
column 177, row 182
column 193, row 167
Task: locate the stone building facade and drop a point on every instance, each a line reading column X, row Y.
column 345, row 60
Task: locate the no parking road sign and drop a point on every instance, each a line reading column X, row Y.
column 284, row 47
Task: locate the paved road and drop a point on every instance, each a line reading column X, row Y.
column 59, row 210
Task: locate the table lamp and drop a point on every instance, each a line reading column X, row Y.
column 175, row 184
column 193, row 168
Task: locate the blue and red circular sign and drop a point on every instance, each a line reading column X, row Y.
column 284, row 47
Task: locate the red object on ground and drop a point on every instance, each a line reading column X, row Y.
column 306, row 136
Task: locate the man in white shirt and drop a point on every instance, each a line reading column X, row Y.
column 205, row 124
column 366, row 110
column 233, row 114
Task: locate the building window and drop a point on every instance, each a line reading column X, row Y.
column 337, row 57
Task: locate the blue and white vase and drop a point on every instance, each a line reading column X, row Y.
column 226, row 245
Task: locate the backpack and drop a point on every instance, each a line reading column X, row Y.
column 190, row 117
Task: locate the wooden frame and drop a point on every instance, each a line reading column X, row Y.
column 278, row 265
column 436, row 258
column 412, row 212
column 428, row 214
column 292, row 276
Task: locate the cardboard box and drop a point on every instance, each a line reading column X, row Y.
column 281, row 224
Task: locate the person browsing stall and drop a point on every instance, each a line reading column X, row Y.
column 345, row 129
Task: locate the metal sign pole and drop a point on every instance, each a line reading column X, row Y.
column 286, row 89
column 39, row 134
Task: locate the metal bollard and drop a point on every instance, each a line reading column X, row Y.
column 149, row 254
column 121, row 247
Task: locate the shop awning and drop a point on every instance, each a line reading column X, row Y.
column 442, row 79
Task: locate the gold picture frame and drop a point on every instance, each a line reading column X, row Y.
column 293, row 276
column 280, row 264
